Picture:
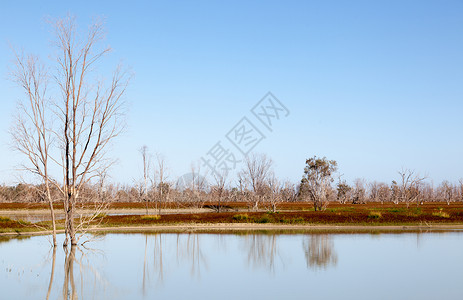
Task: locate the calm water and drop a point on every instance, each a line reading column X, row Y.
column 224, row 266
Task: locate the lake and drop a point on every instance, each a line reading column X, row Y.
column 236, row 266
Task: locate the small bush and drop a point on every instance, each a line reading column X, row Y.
column 414, row 212
column 293, row 220
column 240, row 217
column 4, row 219
column 375, row 215
column 151, row 217
column 441, row 214
column 263, row 219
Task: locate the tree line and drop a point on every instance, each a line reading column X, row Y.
column 256, row 185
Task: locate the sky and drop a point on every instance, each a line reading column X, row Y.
column 375, row 85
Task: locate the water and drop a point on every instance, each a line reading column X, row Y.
column 226, row 266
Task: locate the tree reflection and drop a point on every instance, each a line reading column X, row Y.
column 262, row 250
column 188, row 252
column 52, row 273
column 74, row 255
column 189, row 249
column 69, row 287
column 319, row 251
column 158, row 259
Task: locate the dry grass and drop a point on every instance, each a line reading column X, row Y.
column 151, row 217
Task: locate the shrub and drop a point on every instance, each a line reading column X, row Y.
column 414, row 212
column 4, row 219
column 394, row 210
column 441, row 214
column 293, row 220
column 151, row 217
column 263, row 219
column 240, row 217
column 375, row 215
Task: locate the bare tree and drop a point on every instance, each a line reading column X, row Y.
column 448, row 192
column 428, row 193
column 255, row 175
column 344, row 192
column 161, row 186
column 384, row 192
column 288, row 192
column 359, row 192
column 395, row 192
column 460, row 189
column 31, row 131
column 197, row 185
column 220, row 178
column 88, row 113
column 316, row 182
column 409, row 186
column 146, row 169
column 373, row 193
column 275, row 192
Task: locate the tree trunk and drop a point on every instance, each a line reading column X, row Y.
column 52, row 212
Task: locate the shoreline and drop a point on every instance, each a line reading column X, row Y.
column 246, row 227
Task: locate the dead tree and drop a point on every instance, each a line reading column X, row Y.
column 89, row 110
column 220, row 178
column 31, row 131
column 448, row 192
column 160, row 184
column 88, row 113
column 460, row 189
column 146, row 169
column 254, row 176
column 275, row 192
column 384, row 192
column 359, row 192
column 344, row 192
column 409, row 186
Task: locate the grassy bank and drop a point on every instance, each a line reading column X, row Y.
column 372, row 214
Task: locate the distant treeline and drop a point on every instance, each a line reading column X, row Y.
column 200, row 192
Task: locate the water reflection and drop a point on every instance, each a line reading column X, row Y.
column 261, row 251
column 158, row 257
column 180, row 266
column 52, row 273
column 319, row 251
column 188, row 254
column 69, row 287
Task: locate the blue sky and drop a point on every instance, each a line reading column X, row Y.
column 374, row 85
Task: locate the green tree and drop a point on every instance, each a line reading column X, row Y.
column 316, row 181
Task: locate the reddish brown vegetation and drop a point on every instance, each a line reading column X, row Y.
column 336, row 214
